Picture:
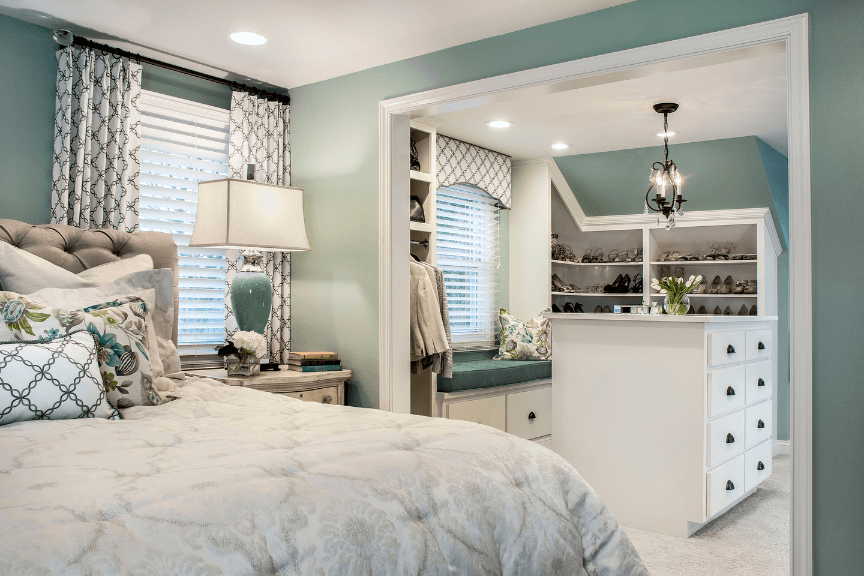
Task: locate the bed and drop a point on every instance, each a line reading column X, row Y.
column 228, row 480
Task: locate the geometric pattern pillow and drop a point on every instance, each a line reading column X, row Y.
column 120, row 328
column 54, row 380
column 524, row 340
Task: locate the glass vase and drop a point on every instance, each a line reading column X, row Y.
column 245, row 365
column 676, row 306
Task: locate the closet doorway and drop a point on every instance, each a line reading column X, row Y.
column 394, row 128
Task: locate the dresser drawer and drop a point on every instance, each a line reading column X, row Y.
column 760, row 344
column 726, row 348
column 725, row 485
column 757, row 424
column 725, row 390
column 321, row 395
column 488, row 411
column 757, row 465
column 528, row 413
column 725, row 438
column 759, row 382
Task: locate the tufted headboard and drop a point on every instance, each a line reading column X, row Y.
column 77, row 250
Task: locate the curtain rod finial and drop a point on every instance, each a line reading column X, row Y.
column 63, row 37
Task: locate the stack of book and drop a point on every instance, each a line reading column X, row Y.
column 314, row 361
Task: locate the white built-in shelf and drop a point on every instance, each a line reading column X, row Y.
column 422, row 176
column 599, row 294
column 711, row 295
column 422, row 227
column 704, row 262
column 633, row 264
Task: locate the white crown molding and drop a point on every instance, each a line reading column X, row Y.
column 566, row 193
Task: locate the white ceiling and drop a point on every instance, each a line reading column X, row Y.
column 309, row 40
column 744, row 95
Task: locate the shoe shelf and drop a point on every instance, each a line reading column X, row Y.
column 701, row 262
column 421, row 176
column 599, row 294
column 598, row 264
column 658, row 295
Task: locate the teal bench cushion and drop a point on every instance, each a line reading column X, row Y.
column 473, row 371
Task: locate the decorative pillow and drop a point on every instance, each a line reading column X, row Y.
column 23, row 272
column 524, row 340
column 54, row 380
column 120, row 328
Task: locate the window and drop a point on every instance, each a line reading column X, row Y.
column 183, row 143
column 467, row 253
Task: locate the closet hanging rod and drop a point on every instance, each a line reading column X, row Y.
column 420, row 243
column 84, row 42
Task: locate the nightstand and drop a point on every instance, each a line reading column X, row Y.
column 322, row 387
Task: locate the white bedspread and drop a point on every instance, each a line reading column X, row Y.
column 233, row 481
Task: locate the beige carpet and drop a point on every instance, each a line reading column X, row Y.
column 751, row 539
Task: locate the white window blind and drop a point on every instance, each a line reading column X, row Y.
column 467, row 253
column 183, row 143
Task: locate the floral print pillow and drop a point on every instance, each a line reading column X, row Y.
column 524, row 340
column 120, row 330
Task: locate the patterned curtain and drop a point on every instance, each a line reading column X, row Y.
column 259, row 134
column 463, row 163
column 96, row 140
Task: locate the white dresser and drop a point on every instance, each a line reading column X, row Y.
column 669, row 419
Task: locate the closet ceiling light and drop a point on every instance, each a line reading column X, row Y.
column 560, row 146
column 665, row 175
column 498, row 124
column 248, row 38
column 666, row 134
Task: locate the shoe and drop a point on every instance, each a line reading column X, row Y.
column 691, row 310
column 715, row 285
column 612, row 256
column 712, row 251
column 727, row 311
column 664, row 272
column 638, row 255
column 750, row 288
column 663, row 257
column 702, row 310
column 701, row 287
column 717, row 311
column 555, row 308
column 568, row 307
column 727, row 286
column 598, row 309
column 613, row 287
column 753, row 310
column 673, row 257
column 578, row 307
column 725, row 252
column 743, row 310
column 679, row 272
column 637, row 284
column 597, row 256
column 624, row 287
column 740, row 285
column 686, row 257
column 586, row 257
column 607, row 310
column 557, row 284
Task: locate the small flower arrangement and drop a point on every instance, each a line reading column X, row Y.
column 248, row 348
column 676, row 290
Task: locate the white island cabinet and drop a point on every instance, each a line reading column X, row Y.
column 668, row 418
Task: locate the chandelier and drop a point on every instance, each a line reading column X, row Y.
column 665, row 178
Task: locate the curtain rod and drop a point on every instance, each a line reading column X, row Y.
column 84, row 42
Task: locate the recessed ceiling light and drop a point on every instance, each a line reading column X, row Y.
column 668, row 134
column 498, row 124
column 560, row 146
column 248, row 38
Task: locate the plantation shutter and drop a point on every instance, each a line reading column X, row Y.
column 467, row 253
column 183, row 143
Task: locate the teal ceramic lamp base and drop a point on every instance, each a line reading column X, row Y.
column 251, row 294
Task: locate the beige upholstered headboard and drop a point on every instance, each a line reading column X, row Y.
column 77, row 250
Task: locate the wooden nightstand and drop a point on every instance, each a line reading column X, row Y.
column 323, row 387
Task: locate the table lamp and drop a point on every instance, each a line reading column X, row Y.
column 252, row 217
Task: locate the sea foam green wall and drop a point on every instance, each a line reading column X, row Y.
column 720, row 174
column 182, row 86
column 27, row 73
column 335, row 158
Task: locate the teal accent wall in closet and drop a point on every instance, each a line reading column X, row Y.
column 335, row 159
column 719, row 175
column 28, row 74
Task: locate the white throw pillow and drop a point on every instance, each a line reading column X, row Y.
column 54, row 380
column 23, row 272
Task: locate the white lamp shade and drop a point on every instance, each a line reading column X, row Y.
column 247, row 214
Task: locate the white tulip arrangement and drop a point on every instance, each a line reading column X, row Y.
column 675, row 290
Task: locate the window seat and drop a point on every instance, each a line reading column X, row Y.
column 475, row 370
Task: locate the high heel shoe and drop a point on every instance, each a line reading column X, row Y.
column 702, row 310
column 752, row 310
column 715, row 285
column 727, row 286
column 578, row 308
column 597, row 256
column 740, row 285
column 727, row 311
column 701, row 287
column 586, row 257
column 568, row 307
column 607, row 310
column 613, row 254
column 750, row 288
column 743, row 311
column 613, row 287
column 663, row 257
column 717, row 311
column 598, row 309
column 664, row 272
column 637, row 284
column 555, row 308
column 558, row 284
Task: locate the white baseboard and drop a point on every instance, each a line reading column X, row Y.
column 782, row 447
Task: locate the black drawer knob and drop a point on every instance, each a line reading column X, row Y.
column 760, row 466
column 730, row 391
column 761, row 382
column 730, row 485
column 531, row 416
column 730, row 349
column 730, row 439
column 760, row 424
column 760, row 346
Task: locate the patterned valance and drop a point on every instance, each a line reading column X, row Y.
column 463, row 163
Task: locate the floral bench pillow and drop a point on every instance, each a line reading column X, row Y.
column 524, row 340
column 120, row 330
